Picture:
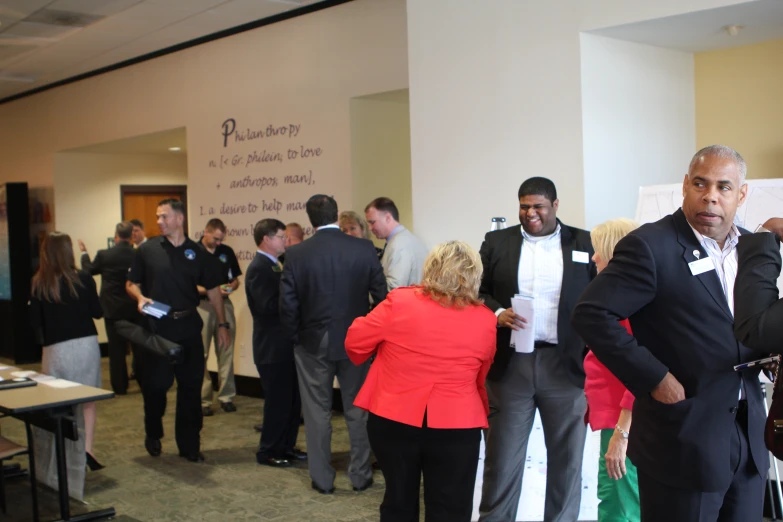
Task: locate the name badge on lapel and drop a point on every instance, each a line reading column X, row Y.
column 580, row 257
column 701, row 266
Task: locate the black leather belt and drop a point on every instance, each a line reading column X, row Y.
column 543, row 344
column 181, row 314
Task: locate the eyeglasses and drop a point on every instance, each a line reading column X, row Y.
column 281, row 237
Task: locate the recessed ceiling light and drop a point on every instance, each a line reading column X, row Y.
column 175, row 149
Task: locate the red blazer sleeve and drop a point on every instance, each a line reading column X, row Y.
column 627, row 401
column 366, row 333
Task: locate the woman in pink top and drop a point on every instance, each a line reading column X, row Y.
column 609, row 406
column 425, row 390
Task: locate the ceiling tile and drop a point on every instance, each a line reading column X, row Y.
column 94, row 7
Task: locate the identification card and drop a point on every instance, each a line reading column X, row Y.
column 580, row 257
column 701, row 266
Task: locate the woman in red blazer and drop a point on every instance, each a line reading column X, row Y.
column 609, row 406
column 425, row 391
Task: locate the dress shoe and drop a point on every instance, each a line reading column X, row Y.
column 206, row 411
column 273, row 462
column 364, row 487
column 193, row 457
column 295, row 454
column 153, row 447
column 228, row 407
column 259, row 428
column 93, row 463
column 322, row 491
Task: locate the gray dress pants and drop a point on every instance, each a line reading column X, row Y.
column 534, row 380
column 316, row 374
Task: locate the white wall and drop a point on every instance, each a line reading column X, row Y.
column 87, row 193
column 638, row 121
column 495, row 99
column 381, row 152
column 495, row 93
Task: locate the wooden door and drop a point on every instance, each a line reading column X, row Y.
column 141, row 202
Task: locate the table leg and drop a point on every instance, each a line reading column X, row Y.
column 62, row 470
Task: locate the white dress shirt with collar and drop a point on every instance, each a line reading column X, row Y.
column 541, row 277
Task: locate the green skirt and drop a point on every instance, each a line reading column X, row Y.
column 618, row 499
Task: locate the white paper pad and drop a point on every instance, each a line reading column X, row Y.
column 24, row 373
column 41, row 377
column 523, row 339
column 60, row 383
column 4, row 367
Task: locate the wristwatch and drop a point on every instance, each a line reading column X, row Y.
column 227, row 326
column 622, row 432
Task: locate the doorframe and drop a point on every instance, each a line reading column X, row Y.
column 180, row 190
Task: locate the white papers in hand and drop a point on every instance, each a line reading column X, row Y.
column 523, row 339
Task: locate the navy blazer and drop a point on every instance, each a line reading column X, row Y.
column 262, row 288
column 758, row 313
column 327, row 282
column 681, row 324
column 112, row 265
column 500, row 253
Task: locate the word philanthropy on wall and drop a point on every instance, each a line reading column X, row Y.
column 250, row 173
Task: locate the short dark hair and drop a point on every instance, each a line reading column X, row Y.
column 176, row 205
column 266, row 227
column 136, row 223
column 538, row 187
column 215, row 223
column 384, row 205
column 322, row 210
column 124, row 230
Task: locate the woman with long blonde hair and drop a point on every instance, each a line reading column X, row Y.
column 63, row 304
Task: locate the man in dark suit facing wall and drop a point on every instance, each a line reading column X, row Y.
column 696, row 437
column 550, row 262
column 273, row 350
column 113, row 265
column 326, row 283
column 758, row 311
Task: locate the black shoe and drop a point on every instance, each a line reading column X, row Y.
column 153, row 447
column 206, row 411
column 124, row 392
column 93, row 463
column 365, row 486
column 193, row 457
column 322, row 491
column 228, row 407
column 259, row 428
column 273, row 462
column 295, row 454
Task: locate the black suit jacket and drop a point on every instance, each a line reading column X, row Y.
column 758, row 313
column 262, row 287
column 500, row 255
column 113, row 265
column 682, row 324
column 326, row 284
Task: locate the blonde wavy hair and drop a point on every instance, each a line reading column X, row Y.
column 606, row 235
column 452, row 275
column 349, row 217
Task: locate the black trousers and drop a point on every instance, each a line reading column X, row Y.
column 157, row 375
column 448, row 458
column 282, row 406
column 118, row 351
column 741, row 502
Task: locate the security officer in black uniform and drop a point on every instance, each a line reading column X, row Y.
column 168, row 269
